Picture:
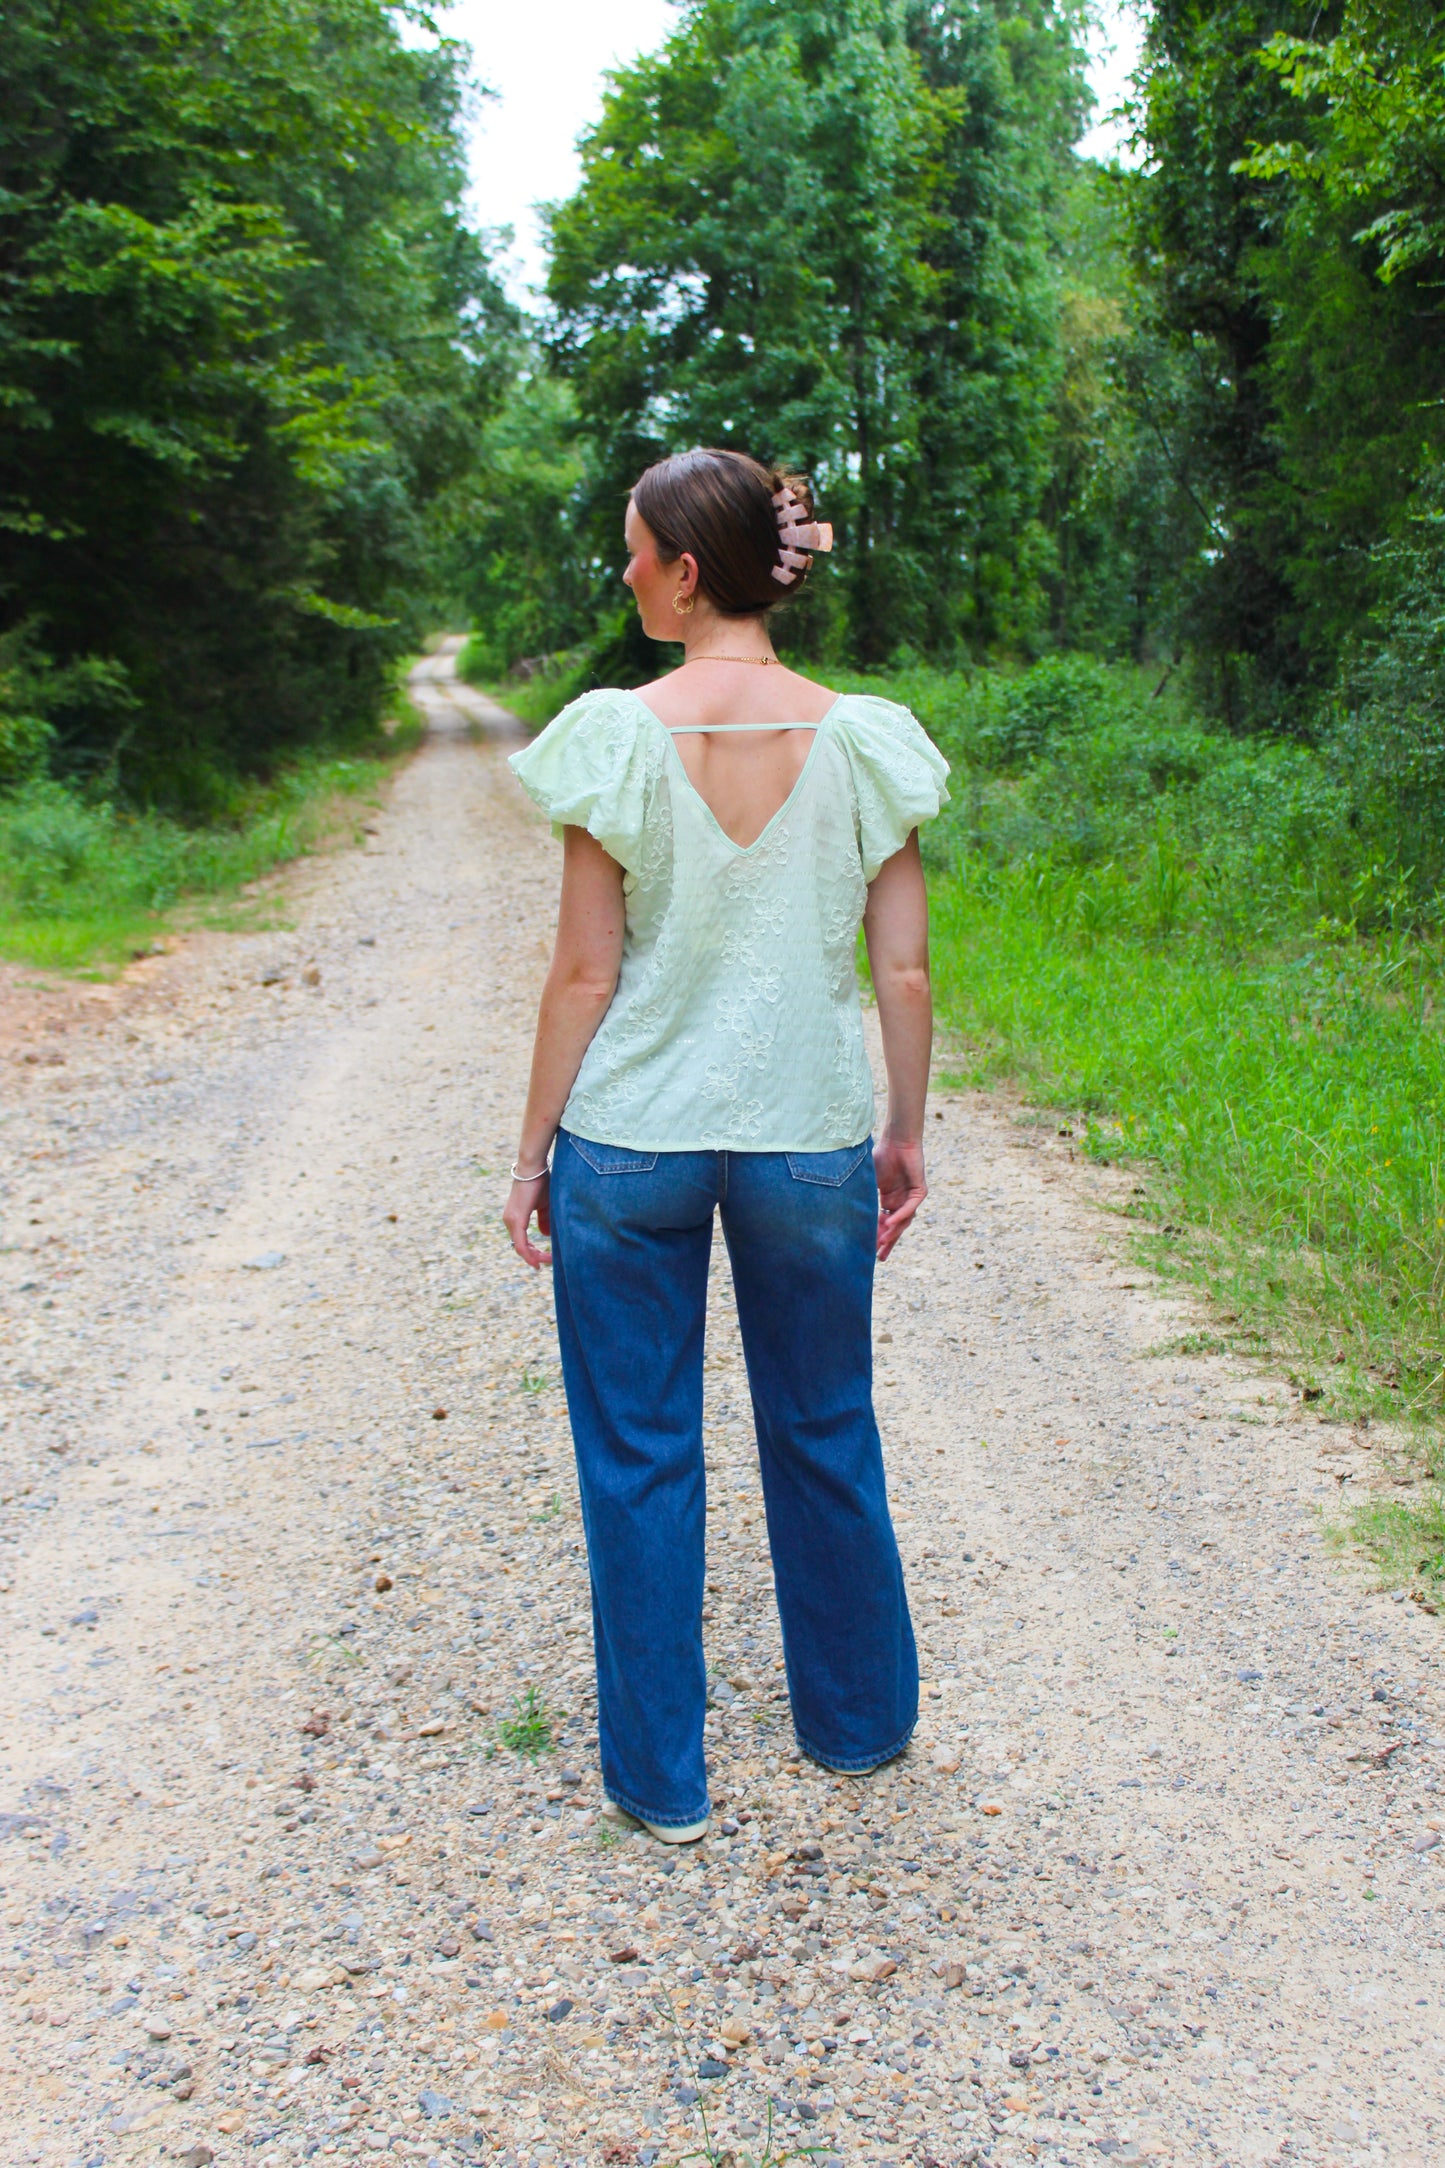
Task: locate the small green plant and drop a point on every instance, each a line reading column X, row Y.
column 1190, row 1343
column 527, row 1729
column 729, row 2156
column 535, row 1381
column 551, row 1509
column 325, row 1648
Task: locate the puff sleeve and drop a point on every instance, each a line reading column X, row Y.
column 593, row 767
column 899, row 775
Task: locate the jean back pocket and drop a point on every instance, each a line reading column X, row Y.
column 830, row 1169
column 612, row 1158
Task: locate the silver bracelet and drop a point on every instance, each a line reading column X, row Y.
column 517, row 1176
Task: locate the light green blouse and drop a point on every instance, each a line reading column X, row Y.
column 735, row 1025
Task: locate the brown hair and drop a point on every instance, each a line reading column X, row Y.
column 719, row 507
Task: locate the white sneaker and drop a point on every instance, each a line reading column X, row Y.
column 665, row 1832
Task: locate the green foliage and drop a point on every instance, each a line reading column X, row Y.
column 1408, row 1541
column 25, row 733
column 527, row 1729
column 244, row 340
column 536, row 690
column 1191, row 940
column 1292, row 240
column 86, row 884
column 1390, row 736
column 820, row 232
column 518, row 559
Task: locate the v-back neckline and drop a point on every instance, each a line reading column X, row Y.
column 744, row 850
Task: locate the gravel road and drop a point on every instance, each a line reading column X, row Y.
column 291, row 1553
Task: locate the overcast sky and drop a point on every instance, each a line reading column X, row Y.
column 545, row 59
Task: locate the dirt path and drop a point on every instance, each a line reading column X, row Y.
column 282, row 1434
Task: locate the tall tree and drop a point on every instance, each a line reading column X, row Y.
column 244, row 340
column 818, row 231
column 1291, row 236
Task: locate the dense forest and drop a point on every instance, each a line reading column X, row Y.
column 265, row 410
column 1188, row 414
column 247, row 345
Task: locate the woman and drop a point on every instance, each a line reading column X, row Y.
column 699, row 1048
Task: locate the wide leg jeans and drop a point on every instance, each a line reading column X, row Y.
column 631, row 1237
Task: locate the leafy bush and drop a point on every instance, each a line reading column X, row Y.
column 1388, row 741
column 47, row 836
column 1039, row 710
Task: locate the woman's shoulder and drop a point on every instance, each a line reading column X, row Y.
column 878, row 730
column 899, row 777
column 597, row 724
column 604, row 705
column 593, row 767
column 873, row 709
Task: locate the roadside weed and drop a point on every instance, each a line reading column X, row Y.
column 527, row 1728
column 730, row 2156
column 85, row 886
column 325, row 1648
column 1191, row 1343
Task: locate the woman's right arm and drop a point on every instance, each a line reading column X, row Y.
column 895, row 927
column 579, row 987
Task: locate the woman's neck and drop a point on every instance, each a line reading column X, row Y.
column 734, row 639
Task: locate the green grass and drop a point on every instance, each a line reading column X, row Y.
column 1290, row 1103
column 1197, row 947
column 1406, row 1541
column 85, row 885
column 527, row 1729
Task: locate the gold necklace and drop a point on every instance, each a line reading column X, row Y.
column 761, row 660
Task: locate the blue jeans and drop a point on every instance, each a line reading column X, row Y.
column 631, row 1235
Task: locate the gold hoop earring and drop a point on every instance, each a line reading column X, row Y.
column 684, row 604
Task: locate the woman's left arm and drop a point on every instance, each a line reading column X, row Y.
column 580, row 984
column 895, row 926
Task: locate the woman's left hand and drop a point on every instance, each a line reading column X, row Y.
column 901, row 1188
column 523, row 1199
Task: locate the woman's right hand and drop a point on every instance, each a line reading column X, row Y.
column 901, row 1188
column 523, row 1199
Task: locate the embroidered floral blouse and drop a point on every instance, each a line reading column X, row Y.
column 735, row 1025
